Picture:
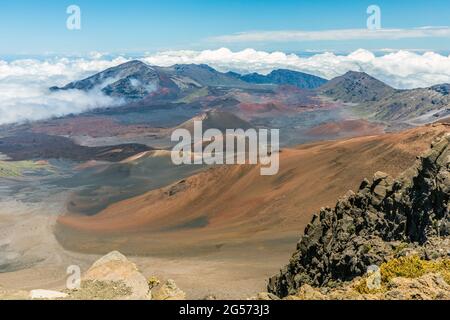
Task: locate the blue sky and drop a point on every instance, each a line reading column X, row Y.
column 37, row 27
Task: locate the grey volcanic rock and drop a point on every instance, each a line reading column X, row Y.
column 379, row 101
column 421, row 105
column 136, row 80
column 133, row 80
column 356, row 87
column 204, row 75
column 442, row 88
column 385, row 219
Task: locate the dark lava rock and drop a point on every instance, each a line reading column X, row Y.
column 33, row 146
column 371, row 226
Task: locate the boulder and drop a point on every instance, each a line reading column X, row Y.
column 116, row 268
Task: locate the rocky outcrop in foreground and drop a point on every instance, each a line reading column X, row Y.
column 430, row 286
column 115, row 277
column 384, row 220
column 112, row 277
column 426, row 287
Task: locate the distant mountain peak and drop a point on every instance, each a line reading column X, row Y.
column 444, row 89
column 136, row 80
column 284, row 77
column 193, row 66
column 361, row 75
column 354, row 73
column 382, row 102
column 125, row 72
column 356, row 87
column 134, row 63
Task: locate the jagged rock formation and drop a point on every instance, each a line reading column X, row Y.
column 385, row 219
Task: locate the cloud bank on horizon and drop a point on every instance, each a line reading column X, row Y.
column 24, row 94
column 400, row 69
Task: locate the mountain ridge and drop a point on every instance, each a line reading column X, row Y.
column 136, row 81
column 356, row 87
column 379, row 101
column 284, row 77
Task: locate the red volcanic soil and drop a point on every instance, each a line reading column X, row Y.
column 347, row 127
column 94, row 126
column 236, row 207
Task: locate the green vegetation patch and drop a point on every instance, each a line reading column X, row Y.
column 414, row 267
column 362, row 288
column 405, row 267
column 18, row 168
column 200, row 93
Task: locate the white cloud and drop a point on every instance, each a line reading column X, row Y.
column 333, row 35
column 19, row 103
column 24, row 84
column 401, row 69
